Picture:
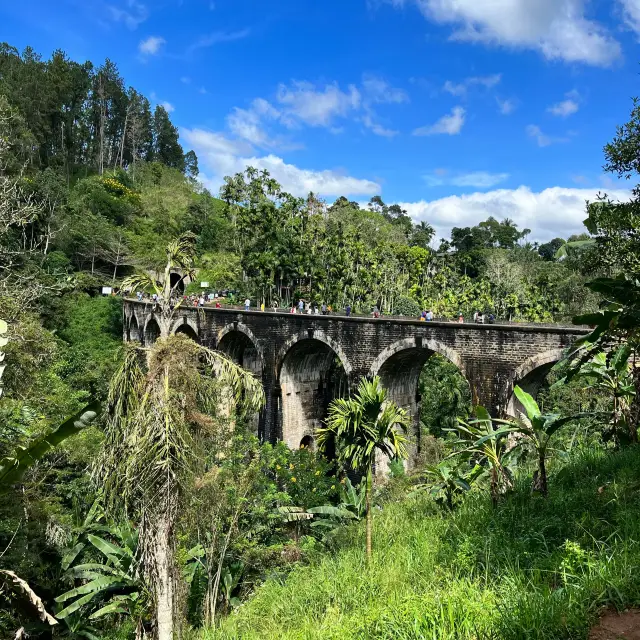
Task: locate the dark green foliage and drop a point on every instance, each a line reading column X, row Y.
column 92, row 329
column 14, row 466
column 82, row 118
column 166, row 148
column 445, row 396
column 407, row 307
column 549, row 250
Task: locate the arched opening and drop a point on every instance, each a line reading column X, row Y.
column 242, row 350
column 308, row 442
column 176, row 279
column 531, row 377
column 151, row 332
column 187, row 330
column 311, row 376
column 134, row 330
column 425, row 379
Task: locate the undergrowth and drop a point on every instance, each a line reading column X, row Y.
column 532, row 568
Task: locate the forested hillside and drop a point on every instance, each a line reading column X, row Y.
column 94, row 186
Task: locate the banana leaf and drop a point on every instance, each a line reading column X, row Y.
column 12, row 468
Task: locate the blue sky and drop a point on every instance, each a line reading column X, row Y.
column 459, row 109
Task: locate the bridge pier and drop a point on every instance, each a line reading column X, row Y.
column 306, row 361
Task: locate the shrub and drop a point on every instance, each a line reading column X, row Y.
column 407, row 307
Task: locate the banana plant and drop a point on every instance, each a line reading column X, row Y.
column 353, row 498
column 611, row 373
column 13, row 467
column 109, row 585
column 329, row 518
column 447, row 480
column 481, row 439
column 537, row 429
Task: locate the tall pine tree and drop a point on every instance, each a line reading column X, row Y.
column 166, row 147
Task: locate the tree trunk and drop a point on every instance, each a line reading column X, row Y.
column 494, row 487
column 164, row 596
column 542, row 477
column 369, row 515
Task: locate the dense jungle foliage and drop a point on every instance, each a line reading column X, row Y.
column 164, row 514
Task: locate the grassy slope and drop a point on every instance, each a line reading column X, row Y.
column 534, row 568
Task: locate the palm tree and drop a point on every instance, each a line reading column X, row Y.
column 180, row 255
column 359, row 427
column 156, row 420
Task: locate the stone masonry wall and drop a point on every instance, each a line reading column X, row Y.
column 294, row 354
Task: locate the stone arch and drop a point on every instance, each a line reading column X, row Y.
column 234, row 339
column 312, row 334
column 399, row 367
column 530, row 375
column 134, row 329
column 187, row 326
column 187, row 330
column 151, row 331
column 415, row 343
column 308, row 442
column 310, row 374
column 239, row 343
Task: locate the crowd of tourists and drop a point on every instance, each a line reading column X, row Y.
column 217, row 299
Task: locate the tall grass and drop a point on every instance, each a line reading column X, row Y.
column 532, row 568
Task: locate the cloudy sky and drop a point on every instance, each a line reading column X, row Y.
column 458, row 109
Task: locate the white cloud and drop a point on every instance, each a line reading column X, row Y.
column 378, row 90
column 566, row 107
column 169, row 108
column 556, row 211
column 631, row 14
column 248, row 125
column 222, row 156
column 450, row 124
column 506, row 107
column 376, row 128
column 542, row 139
column 216, row 38
column 302, row 102
column 558, row 29
column 151, row 45
column 132, row 14
column 460, row 89
column 478, row 179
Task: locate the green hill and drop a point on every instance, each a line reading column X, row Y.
column 532, row 568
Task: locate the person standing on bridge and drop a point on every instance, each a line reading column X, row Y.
column 301, row 306
column 247, row 304
column 348, row 310
column 262, row 306
column 429, row 316
column 460, row 318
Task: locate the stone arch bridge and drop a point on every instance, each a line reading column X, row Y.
column 304, row 361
